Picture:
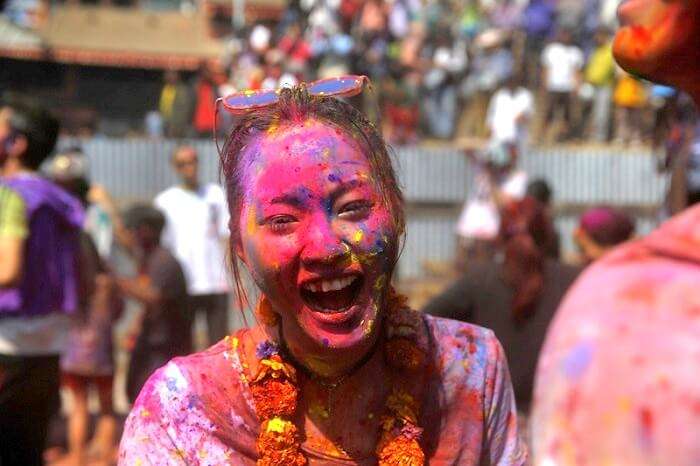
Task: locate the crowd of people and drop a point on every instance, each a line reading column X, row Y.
column 440, row 69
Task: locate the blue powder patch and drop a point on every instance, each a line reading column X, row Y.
column 325, row 342
column 171, row 383
column 333, row 178
column 577, row 361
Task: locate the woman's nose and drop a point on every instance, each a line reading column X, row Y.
column 323, row 245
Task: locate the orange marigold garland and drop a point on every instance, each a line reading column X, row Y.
column 275, row 393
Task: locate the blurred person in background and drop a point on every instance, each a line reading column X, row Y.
column 538, row 23
column 401, row 95
column 540, row 190
column 630, row 98
column 163, row 325
column 205, row 92
column 491, row 65
column 516, row 294
column 440, row 102
column 88, row 360
column 196, row 230
column 176, row 105
column 617, row 381
column 69, row 169
column 509, row 114
column 596, row 93
column 40, row 280
column 679, row 143
column 497, row 182
column 562, row 62
column 600, row 229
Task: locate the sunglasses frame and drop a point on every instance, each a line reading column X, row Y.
column 355, row 87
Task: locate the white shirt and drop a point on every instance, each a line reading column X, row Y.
column 480, row 218
column 197, row 224
column 505, row 108
column 562, row 62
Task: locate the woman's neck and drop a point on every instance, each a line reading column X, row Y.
column 325, row 362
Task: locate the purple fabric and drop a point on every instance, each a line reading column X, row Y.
column 50, row 279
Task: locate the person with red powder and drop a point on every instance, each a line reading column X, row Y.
column 617, row 381
column 514, row 293
column 338, row 370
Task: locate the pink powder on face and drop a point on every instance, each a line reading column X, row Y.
column 312, row 210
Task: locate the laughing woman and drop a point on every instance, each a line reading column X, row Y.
column 339, row 371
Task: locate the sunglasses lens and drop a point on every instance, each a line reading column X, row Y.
column 250, row 100
column 348, row 85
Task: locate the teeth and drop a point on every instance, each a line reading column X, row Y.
column 330, row 285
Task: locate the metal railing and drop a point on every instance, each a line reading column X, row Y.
column 436, row 181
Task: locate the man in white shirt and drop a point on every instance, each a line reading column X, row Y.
column 562, row 62
column 509, row 113
column 196, row 231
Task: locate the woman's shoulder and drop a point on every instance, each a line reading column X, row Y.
column 190, row 399
column 464, row 349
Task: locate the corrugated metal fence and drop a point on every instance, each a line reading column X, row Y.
column 436, row 182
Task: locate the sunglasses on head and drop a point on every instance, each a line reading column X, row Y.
column 240, row 103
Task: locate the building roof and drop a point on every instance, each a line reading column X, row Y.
column 128, row 37
column 123, row 37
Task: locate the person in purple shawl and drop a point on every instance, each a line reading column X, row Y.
column 39, row 280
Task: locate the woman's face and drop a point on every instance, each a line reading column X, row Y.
column 315, row 233
column 659, row 39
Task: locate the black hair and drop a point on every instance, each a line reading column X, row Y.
column 144, row 215
column 36, row 124
column 540, row 190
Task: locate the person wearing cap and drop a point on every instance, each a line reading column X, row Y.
column 600, row 229
column 617, row 381
column 39, row 280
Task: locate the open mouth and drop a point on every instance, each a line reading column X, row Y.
column 332, row 295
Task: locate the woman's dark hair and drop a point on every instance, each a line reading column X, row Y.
column 297, row 105
column 527, row 233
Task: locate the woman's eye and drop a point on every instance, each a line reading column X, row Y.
column 281, row 223
column 355, row 210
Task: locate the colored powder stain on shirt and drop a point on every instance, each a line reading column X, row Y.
column 578, row 360
column 646, row 419
column 333, row 178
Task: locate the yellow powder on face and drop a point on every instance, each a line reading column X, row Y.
column 251, row 226
column 357, row 237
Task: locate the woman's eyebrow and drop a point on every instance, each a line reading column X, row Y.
column 296, row 197
column 345, row 186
